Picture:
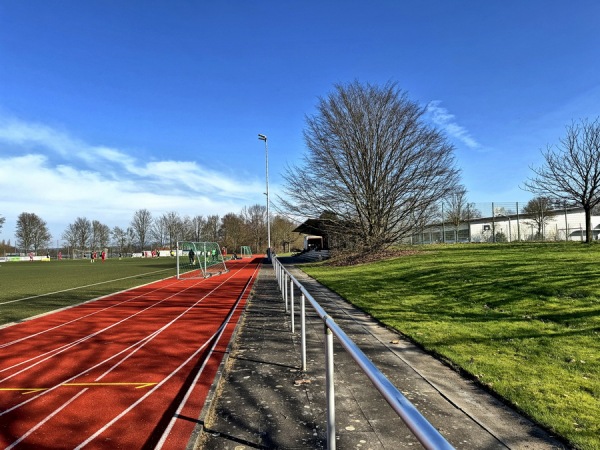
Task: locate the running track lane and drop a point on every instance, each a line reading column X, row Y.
column 127, row 371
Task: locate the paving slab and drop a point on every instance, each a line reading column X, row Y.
column 263, row 400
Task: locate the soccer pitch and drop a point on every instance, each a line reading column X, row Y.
column 31, row 288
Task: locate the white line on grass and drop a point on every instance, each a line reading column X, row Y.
column 81, row 287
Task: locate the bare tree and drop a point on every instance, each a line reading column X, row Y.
column 159, row 230
column 571, row 171
column 197, row 224
column 373, row 162
column 2, row 219
column 456, row 209
column 282, row 236
column 100, row 235
column 141, row 223
column 174, row 228
column 79, row 234
column 210, row 230
column 233, row 231
column 32, row 232
column 70, row 235
column 130, row 239
column 120, row 238
column 536, row 210
column 255, row 219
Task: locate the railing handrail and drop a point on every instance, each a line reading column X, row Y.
column 426, row 433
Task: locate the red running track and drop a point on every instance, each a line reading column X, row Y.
column 127, row 371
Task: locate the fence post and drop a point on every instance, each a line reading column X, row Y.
column 330, row 393
column 493, row 224
column 518, row 224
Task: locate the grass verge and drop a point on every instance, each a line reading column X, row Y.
column 523, row 319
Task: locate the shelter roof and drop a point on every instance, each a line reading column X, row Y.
column 315, row 227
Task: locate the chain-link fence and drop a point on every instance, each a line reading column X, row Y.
column 505, row 222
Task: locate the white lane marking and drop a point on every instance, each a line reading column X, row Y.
column 24, row 338
column 132, row 346
column 140, row 343
column 184, row 400
column 46, row 419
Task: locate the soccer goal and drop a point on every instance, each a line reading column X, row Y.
column 81, row 254
column 199, row 260
column 245, row 251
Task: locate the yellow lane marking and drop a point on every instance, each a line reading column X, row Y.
column 92, row 384
column 25, row 390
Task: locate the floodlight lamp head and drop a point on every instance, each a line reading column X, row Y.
column 262, row 137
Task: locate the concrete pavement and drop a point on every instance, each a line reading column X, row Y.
column 263, row 400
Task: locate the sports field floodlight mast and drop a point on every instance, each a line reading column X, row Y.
column 262, row 137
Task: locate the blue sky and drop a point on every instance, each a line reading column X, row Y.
column 107, row 107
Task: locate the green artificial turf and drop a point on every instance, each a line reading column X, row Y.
column 523, row 319
column 31, row 288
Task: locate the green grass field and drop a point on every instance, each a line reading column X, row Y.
column 523, row 319
column 31, row 288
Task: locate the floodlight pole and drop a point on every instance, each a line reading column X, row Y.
column 262, row 137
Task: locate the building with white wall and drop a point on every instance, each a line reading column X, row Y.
column 558, row 225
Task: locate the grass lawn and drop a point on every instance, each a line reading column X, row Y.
column 31, row 288
column 523, row 319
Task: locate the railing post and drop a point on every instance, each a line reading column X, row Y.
column 329, row 388
column 292, row 304
column 303, row 330
column 285, row 292
column 279, row 274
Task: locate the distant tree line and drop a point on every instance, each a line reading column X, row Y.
column 146, row 232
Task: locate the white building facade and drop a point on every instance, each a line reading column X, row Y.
column 557, row 225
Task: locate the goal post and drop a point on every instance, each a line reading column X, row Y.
column 81, row 254
column 245, row 251
column 199, row 259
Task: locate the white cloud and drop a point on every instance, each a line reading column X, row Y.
column 60, row 178
column 31, row 135
column 443, row 119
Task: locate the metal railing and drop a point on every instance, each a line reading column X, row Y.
column 427, row 435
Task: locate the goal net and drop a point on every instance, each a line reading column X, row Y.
column 199, row 260
column 81, row 254
column 245, row 251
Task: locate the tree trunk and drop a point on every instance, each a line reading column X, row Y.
column 588, row 225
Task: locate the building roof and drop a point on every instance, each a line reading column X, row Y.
column 315, row 227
